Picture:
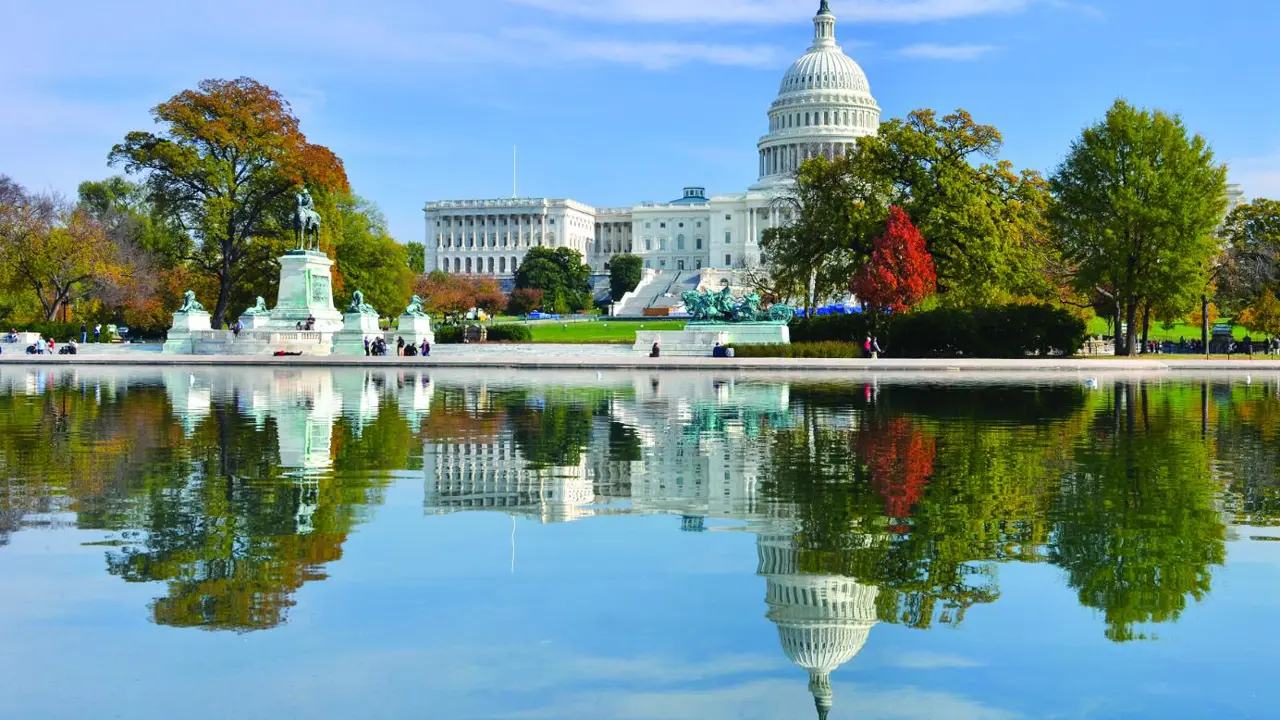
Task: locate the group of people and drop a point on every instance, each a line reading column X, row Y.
column 308, row 325
column 378, row 347
column 48, row 346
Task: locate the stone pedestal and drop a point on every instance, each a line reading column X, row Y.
column 357, row 327
column 187, row 330
column 306, row 291
column 254, row 322
column 699, row 340
column 413, row 329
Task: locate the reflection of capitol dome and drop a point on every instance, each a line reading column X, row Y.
column 823, row 106
column 823, row 620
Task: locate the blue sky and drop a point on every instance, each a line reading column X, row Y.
column 617, row 101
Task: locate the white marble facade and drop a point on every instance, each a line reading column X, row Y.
column 824, row 105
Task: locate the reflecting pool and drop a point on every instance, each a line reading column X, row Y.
column 278, row 543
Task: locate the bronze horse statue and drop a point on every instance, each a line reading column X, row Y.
column 306, row 222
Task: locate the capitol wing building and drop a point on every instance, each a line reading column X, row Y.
column 824, row 105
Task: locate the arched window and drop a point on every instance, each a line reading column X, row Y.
column 468, row 266
column 680, row 242
column 514, row 265
column 490, row 266
column 806, row 119
column 502, row 265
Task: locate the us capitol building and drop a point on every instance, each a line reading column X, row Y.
column 824, row 105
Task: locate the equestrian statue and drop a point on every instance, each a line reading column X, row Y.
column 306, row 222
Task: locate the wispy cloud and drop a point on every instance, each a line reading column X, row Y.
column 773, row 11
column 930, row 51
column 925, row 660
column 650, row 55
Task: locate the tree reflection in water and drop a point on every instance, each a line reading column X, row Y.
column 892, row 504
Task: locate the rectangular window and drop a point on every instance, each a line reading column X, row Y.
column 728, row 259
column 698, row 242
column 728, row 217
column 728, row 237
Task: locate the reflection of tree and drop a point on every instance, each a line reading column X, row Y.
column 1137, row 529
column 233, row 536
column 899, row 460
column 923, row 509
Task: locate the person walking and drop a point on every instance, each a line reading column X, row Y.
column 426, row 348
column 84, row 333
column 53, row 346
column 97, row 332
column 40, row 345
column 400, row 346
column 366, row 346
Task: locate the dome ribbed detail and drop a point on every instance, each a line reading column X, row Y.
column 824, row 105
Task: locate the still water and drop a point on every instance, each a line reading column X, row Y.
column 279, row 543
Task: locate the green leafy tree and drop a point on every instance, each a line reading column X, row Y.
column 51, row 248
column 225, row 166
column 984, row 221
column 625, row 273
column 417, row 257
column 829, row 217
column 1136, row 203
column 369, row 259
column 565, row 281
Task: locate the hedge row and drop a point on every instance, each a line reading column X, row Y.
column 829, row 349
column 507, row 332
column 1009, row 331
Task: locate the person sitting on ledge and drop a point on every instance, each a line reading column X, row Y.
column 717, row 351
column 657, row 351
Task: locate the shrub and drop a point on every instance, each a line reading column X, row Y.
column 1008, row 331
column 448, row 334
column 829, row 328
column 827, row 349
column 507, row 332
column 510, row 332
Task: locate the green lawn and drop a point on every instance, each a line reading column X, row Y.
column 598, row 331
column 1178, row 331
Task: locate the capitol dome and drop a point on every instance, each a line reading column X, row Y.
column 823, row 620
column 824, row 105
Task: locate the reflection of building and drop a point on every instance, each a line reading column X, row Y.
column 494, row 475
column 823, row 620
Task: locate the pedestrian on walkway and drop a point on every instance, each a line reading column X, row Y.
column 97, row 332
column 400, row 346
column 84, row 333
column 426, row 348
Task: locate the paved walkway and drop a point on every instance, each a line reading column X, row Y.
column 618, row 357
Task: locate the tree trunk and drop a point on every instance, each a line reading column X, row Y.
column 1204, row 323
column 1131, row 329
column 1117, row 324
column 1146, row 324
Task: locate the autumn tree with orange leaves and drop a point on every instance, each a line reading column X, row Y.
column 225, row 165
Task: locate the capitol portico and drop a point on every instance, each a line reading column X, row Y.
column 824, row 104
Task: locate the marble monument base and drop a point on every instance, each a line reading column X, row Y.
column 356, row 328
column 306, row 291
column 413, row 329
column 187, row 331
column 254, row 322
column 699, row 340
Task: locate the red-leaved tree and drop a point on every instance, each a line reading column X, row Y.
column 900, row 273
